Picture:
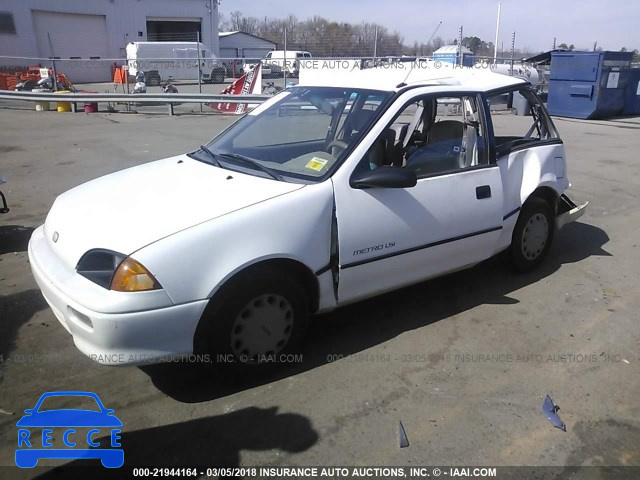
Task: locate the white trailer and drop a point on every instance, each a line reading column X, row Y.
column 168, row 61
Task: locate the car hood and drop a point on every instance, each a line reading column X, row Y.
column 130, row 209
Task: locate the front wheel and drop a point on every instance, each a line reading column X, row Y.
column 532, row 235
column 256, row 319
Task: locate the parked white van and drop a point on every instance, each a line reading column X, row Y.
column 285, row 60
column 162, row 61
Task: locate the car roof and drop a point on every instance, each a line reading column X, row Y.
column 71, row 393
column 442, row 76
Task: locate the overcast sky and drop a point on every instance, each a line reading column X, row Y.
column 613, row 23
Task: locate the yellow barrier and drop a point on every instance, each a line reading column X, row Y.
column 64, row 106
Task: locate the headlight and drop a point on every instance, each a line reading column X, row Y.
column 115, row 271
column 132, row 276
column 99, row 266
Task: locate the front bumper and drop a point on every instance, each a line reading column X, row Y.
column 568, row 211
column 147, row 329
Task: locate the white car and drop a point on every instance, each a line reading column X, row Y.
column 330, row 192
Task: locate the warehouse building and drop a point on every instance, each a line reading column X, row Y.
column 98, row 30
column 243, row 45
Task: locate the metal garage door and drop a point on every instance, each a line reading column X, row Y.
column 226, row 53
column 255, row 52
column 74, row 36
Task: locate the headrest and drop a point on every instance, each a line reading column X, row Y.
column 446, row 130
column 361, row 118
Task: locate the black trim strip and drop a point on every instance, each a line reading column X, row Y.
column 324, row 269
column 419, row 247
column 508, row 89
column 510, row 214
column 534, row 144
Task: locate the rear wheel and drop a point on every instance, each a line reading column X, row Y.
column 532, row 235
column 256, row 320
column 153, row 78
column 218, row 75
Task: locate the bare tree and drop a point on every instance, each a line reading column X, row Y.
column 436, row 43
column 324, row 38
column 223, row 23
column 243, row 24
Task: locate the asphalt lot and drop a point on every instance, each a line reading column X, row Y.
column 463, row 361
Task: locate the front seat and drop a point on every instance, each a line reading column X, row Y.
column 443, row 151
column 358, row 121
column 446, row 130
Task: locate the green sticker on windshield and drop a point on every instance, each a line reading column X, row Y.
column 316, row 163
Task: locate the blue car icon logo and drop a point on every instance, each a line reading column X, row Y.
column 74, row 430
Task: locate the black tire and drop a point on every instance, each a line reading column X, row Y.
column 532, row 235
column 153, row 79
column 229, row 327
column 218, row 75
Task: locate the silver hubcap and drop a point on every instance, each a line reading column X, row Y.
column 262, row 328
column 534, row 236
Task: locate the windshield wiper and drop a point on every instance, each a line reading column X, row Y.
column 253, row 163
column 211, row 155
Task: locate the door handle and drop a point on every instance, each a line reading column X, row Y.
column 483, row 191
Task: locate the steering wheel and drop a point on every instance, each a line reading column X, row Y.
column 336, row 143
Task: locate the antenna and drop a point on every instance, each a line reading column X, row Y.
column 404, row 82
column 434, row 32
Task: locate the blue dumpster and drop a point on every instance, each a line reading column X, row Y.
column 450, row 54
column 632, row 98
column 588, row 84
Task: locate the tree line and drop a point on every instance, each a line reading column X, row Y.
column 325, row 38
column 321, row 37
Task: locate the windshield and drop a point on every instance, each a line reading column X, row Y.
column 306, row 132
column 64, row 402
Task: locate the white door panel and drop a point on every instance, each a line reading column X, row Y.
column 358, row 282
column 393, row 237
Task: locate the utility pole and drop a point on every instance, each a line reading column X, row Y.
column 554, row 43
column 375, row 42
column 53, row 62
column 495, row 45
column 284, row 62
column 126, row 65
column 513, row 49
column 199, row 67
column 460, row 47
column 211, row 7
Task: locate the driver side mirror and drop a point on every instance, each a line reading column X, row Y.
column 384, row 177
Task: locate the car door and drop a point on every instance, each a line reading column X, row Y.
column 451, row 218
column 527, row 146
